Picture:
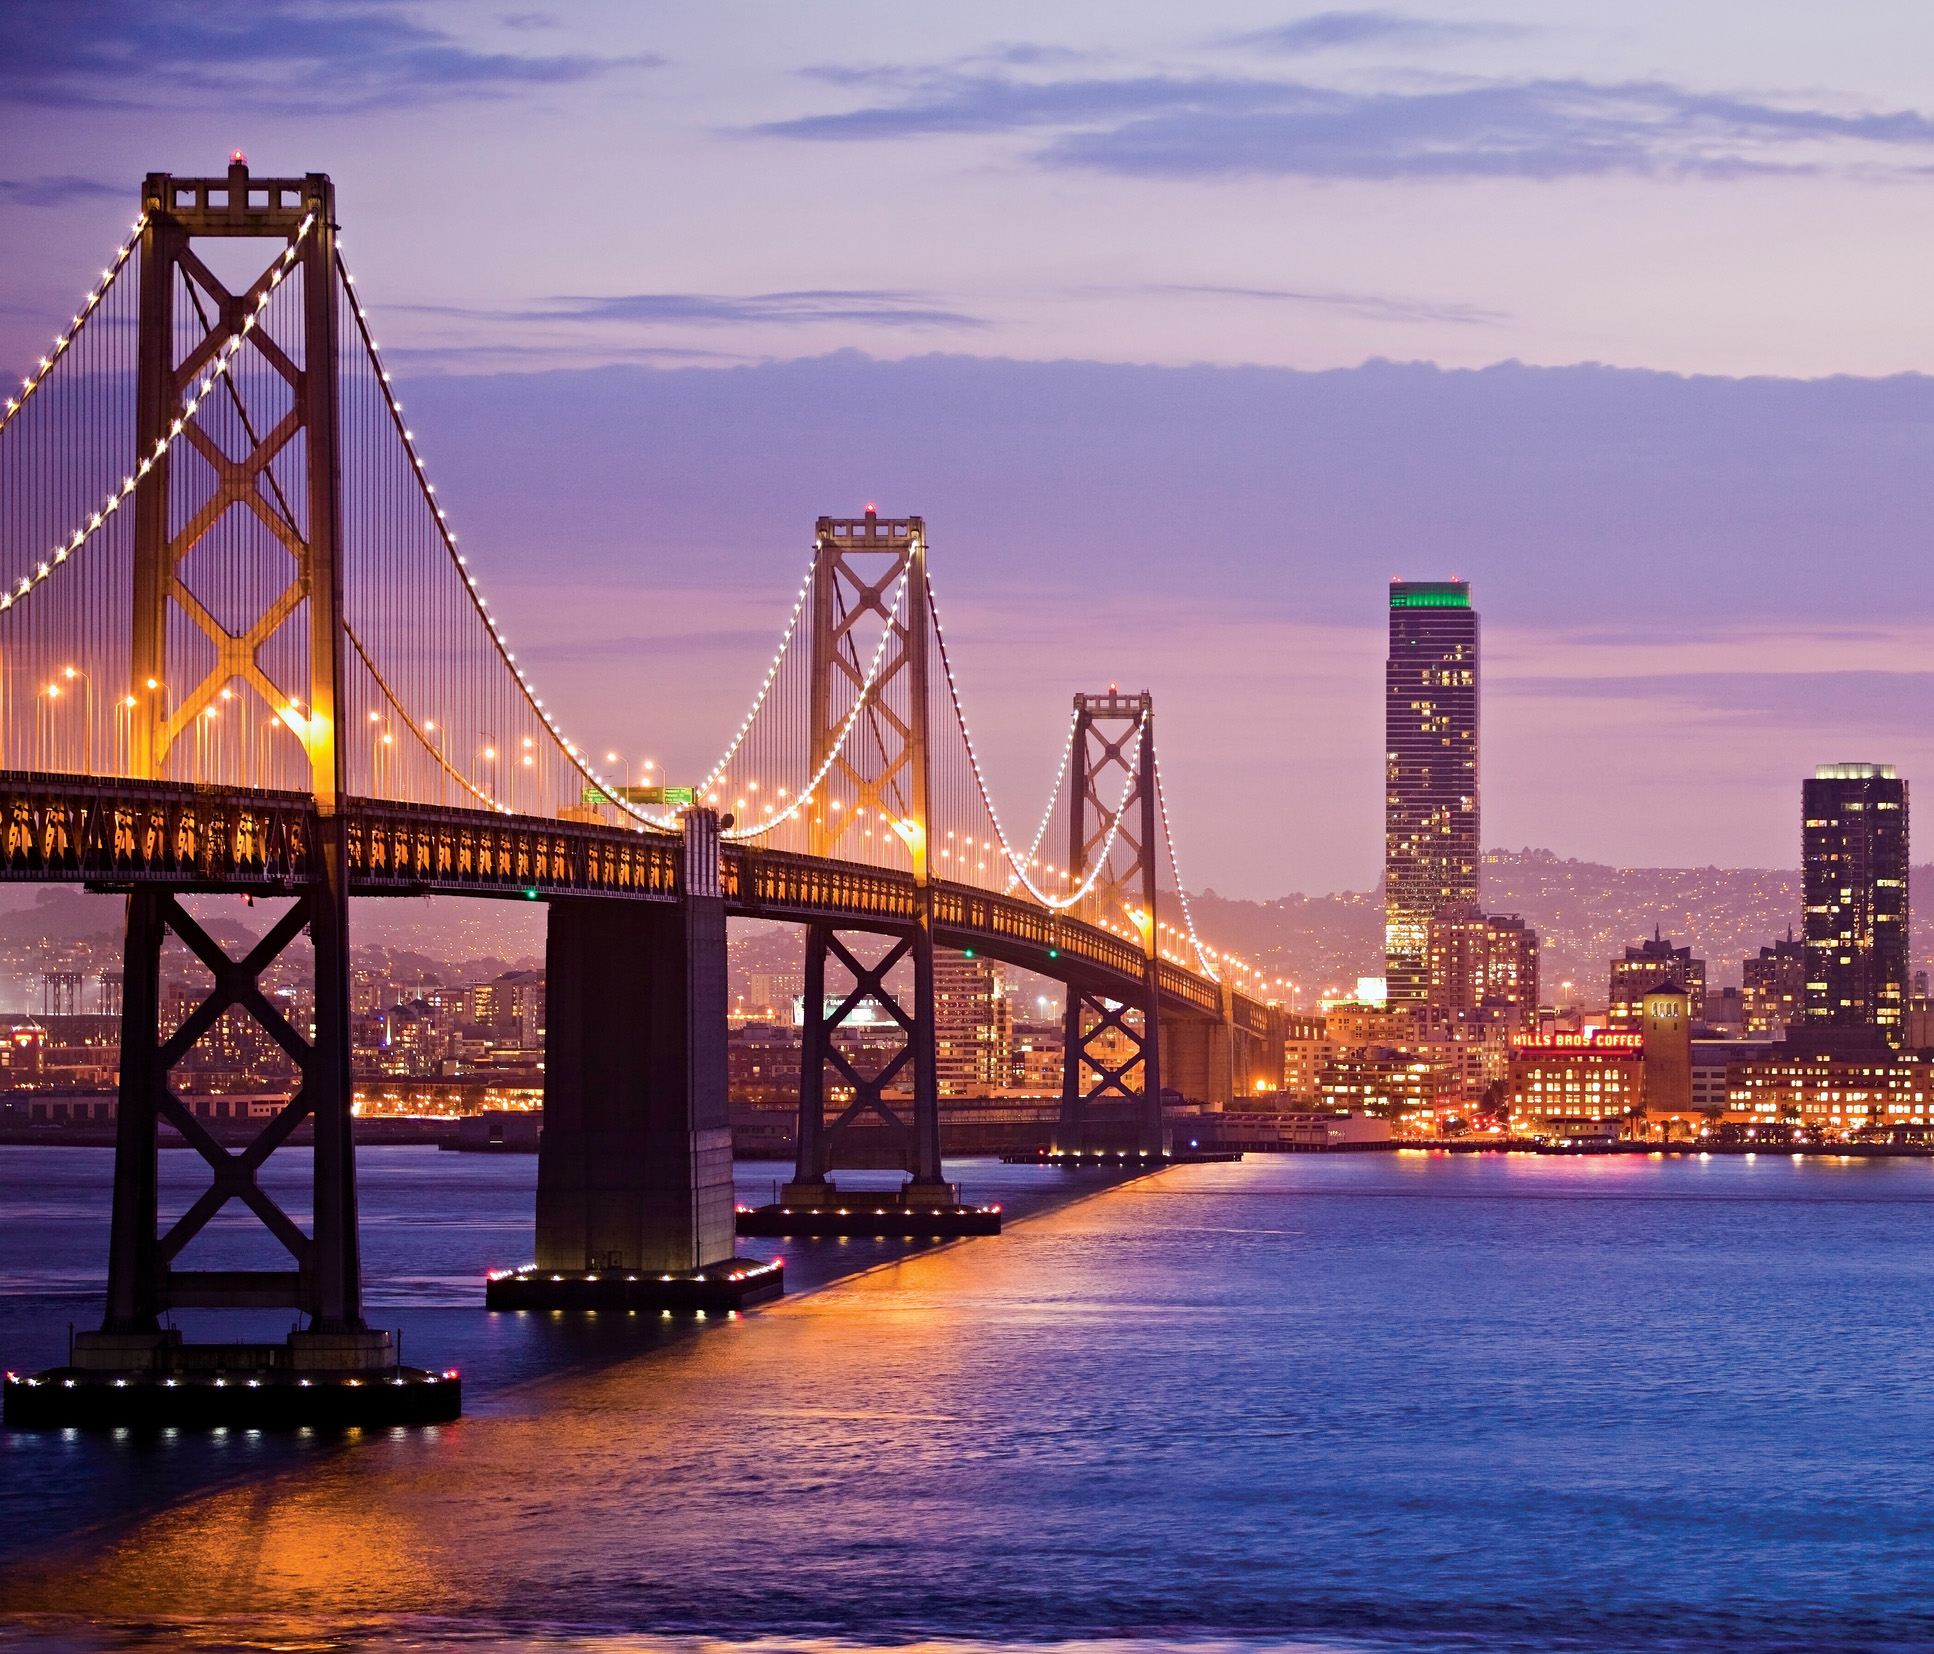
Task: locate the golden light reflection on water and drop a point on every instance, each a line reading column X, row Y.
column 664, row 1467
column 421, row 1635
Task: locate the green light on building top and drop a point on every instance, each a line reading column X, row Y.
column 1430, row 594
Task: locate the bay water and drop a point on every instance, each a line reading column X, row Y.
column 1404, row 1401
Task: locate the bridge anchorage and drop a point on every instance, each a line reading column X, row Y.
column 241, row 655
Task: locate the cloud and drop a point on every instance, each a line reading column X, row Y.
column 57, row 192
column 1325, row 31
column 485, row 343
column 1218, row 125
column 1373, row 305
column 1885, row 702
column 283, row 54
column 878, row 308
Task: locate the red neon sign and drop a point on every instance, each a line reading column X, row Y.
column 1592, row 1039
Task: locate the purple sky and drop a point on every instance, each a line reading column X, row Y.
column 1094, row 287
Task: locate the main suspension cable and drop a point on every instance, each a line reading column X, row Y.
column 223, row 361
column 62, row 341
column 1058, row 903
column 448, row 539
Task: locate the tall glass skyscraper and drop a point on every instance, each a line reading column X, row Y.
column 1854, row 873
column 1430, row 812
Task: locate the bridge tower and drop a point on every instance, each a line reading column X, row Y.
column 859, row 565
column 237, row 580
column 1111, row 1081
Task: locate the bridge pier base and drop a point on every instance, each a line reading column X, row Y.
column 137, row 1372
column 634, row 1172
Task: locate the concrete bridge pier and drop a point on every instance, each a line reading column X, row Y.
column 1198, row 1059
column 634, row 1174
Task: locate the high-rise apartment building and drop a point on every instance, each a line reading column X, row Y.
column 1431, row 776
column 1854, row 875
column 1774, row 986
column 1484, row 963
column 973, row 1033
column 1650, row 965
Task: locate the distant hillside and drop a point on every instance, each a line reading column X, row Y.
column 1320, row 943
column 1584, row 913
column 63, row 914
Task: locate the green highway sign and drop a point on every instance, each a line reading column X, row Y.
column 639, row 795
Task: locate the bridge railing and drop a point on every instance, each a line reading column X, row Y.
column 411, row 846
column 784, row 883
column 66, row 827
column 1250, row 1015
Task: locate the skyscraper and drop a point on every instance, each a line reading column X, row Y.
column 1484, row 965
column 1430, row 817
column 1854, row 870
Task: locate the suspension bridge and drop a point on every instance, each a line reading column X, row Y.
column 241, row 652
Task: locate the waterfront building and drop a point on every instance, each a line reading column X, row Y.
column 1854, row 874
column 1307, row 1050
column 762, row 1064
column 1645, row 967
column 1585, row 1084
column 1035, row 1059
column 1712, row 1065
column 1480, row 962
column 1774, row 986
column 1431, row 773
column 973, row 1032
column 1416, row 1088
column 1833, row 1095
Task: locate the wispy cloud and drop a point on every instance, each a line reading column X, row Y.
column 58, row 191
column 283, row 54
column 580, row 330
column 874, row 307
column 1209, row 125
column 1889, row 702
column 1329, row 30
column 1376, row 306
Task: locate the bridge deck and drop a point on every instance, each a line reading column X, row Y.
column 116, row 833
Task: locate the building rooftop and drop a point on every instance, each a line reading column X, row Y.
column 1430, row 594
